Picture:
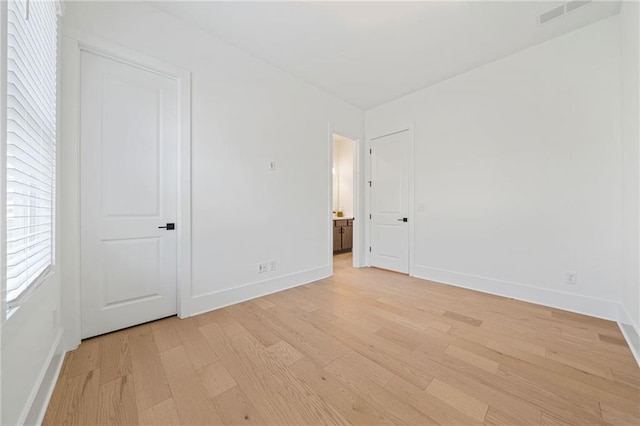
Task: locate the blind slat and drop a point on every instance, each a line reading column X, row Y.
column 40, row 251
column 29, row 186
column 27, row 246
column 31, row 235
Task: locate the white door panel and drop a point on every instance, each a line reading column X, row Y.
column 128, row 179
column 390, row 202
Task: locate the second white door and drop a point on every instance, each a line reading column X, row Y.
column 128, row 161
column 390, row 202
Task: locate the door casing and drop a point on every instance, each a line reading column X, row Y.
column 73, row 43
column 358, row 211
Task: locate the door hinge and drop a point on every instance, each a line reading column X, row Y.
column 371, row 151
column 369, row 184
column 369, row 249
column 370, row 217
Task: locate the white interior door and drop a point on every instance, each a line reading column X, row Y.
column 390, row 202
column 128, row 189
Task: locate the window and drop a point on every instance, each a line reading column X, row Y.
column 32, row 41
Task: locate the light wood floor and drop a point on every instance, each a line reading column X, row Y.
column 365, row 347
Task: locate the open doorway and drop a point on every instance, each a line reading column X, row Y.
column 344, row 199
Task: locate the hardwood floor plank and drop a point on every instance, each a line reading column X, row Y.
column 285, row 353
column 86, row 358
column 150, row 381
column 567, row 389
column 163, row 413
column 434, row 408
column 304, row 337
column 613, row 340
column 580, row 362
column 115, row 356
column 557, row 398
column 216, row 379
column 223, row 318
column 467, row 334
column 627, row 376
column 263, row 303
column 194, row 343
column 349, row 403
column 458, row 399
column 165, row 334
column 245, row 314
column 523, row 362
column 236, row 409
column 395, row 359
column 375, row 372
column 472, row 358
column 189, row 395
column 117, row 402
column 594, row 323
column 463, row 318
column 397, row 338
column 613, row 416
column 548, row 419
column 79, row 399
column 505, row 346
column 394, row 408
column 496, row 417
column 302, row 405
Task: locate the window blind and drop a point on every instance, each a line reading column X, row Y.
column 32, row 40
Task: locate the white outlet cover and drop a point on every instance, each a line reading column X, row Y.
column 273, row 265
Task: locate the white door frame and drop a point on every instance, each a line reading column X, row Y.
column 73, row 44
column 358, row 213
column 408, row 128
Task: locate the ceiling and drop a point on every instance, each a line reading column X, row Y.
column 368, row 53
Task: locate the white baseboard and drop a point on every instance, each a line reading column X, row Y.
column 39, row 400
column 630, row 332
column 599, row 308
column 220, row 299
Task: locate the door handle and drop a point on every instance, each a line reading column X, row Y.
column 404, row 219
column 168, row 227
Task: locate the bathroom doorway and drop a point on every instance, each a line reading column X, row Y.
column 344, row 199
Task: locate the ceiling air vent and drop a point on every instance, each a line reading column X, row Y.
column 552, row 14
column 561, row 10
column 573, row 5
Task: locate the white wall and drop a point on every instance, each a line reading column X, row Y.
column 244, row 113
column 336, row 187
column 630, row 16
column 30, row 351
column 518, row 166
column 343, row 153
column 30, row 347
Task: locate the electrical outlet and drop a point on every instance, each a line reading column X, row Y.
column 262, row 267
column 273, row 265
column 570, row 278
